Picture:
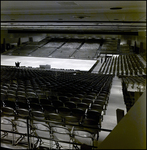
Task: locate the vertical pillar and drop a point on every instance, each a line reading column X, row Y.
column 8, row 46
column 30, row 39
column 19, row 41
column 135, row 47
column 129, row 43
column 118, row 45
column 141, row 48
column 4, row 44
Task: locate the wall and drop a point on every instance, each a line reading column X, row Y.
column 130, row 133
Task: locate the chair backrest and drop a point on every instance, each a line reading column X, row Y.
column 21, row 97
column 21, row 104
column 92, row 97
column 101, row 102
column 33, row 99
column 94, row 114
column 54, row 117
column 75, row 99
column 70, row 104
column 8, row 111
column 38, row 115
column 83, row 105
column 71, row 120
column 57, row 103
column 11, row 104
column 11, row 97
column 23, row 113
column 21, row 126
column 78, row 112
column 61, row 133
column 48, row 109
column 97, row 107
column 83, row 137
column 6, row 124
column 63, row 98
column 87, row 100
column 45, row 101
column 52, row 98
column 35, row 106
column 64, row 111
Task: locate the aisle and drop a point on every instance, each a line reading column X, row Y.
column 115, row 101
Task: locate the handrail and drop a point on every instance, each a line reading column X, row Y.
column 44, row 138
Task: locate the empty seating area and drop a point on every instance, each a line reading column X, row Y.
column 123, row 65
column 109, row 46
column 64, row 110
column 26, row 48
column 60, row 109
column 58, row 48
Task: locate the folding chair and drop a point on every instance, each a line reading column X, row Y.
column 82, row 136
column 61, row 135
column 42, row 131
column 7, row 117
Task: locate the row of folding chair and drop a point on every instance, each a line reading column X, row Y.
column 55, row 105
column 130, row 65
column 126, row 65
column 51, row 126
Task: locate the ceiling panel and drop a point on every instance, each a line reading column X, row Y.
column 57, row 12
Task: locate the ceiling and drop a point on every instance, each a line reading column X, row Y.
column 74, row 15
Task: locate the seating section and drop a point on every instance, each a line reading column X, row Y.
column 58, row 48
column 109, row 46
column 60, row 106
column 123, row 65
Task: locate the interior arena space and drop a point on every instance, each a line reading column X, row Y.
column 73, row 75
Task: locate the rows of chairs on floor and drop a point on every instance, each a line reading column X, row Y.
column 123, row 65
column 109, row 66
column 64, row 106
column 130, row 65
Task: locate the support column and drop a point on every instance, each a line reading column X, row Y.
column 141, row 48
column 118, row 45
column 30, row 39
column 135, row 47
column 4, row 44
column 19, row 41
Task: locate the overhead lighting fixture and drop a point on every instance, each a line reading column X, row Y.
column 116, row 8
column 81, row 17
column 67, row 3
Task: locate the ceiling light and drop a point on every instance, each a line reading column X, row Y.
column 115, row 8
column 67, row 3
column 81, row 17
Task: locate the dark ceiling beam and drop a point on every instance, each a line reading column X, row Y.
column 72, row 32
column 73, row 21
column 76, row 25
